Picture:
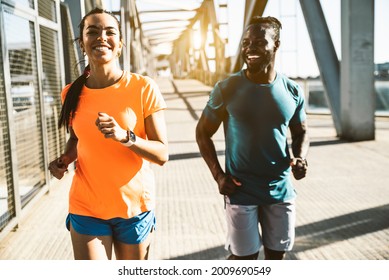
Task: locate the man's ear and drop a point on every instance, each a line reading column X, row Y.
column 277, row 44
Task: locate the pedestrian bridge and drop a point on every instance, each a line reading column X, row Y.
column 342, row 204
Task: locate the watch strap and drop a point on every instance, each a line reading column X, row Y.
column 131, row 138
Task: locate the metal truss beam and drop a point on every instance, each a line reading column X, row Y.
column 326, row 57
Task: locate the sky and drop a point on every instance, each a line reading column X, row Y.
column 296, row 46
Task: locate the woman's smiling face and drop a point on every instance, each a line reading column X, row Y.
column 101, row 38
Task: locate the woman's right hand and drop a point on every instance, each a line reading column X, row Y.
column 59, row 166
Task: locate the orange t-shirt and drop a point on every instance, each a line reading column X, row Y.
column 110, row 180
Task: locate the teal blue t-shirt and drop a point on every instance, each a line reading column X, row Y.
column 256, row 119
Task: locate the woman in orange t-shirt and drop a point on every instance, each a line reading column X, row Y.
column 117, row 127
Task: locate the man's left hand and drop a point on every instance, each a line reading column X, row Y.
column 299, row 168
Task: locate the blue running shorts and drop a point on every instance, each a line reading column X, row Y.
column 130, row 231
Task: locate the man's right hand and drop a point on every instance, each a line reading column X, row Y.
column 227, row 184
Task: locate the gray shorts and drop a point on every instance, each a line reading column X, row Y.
column 251, row 226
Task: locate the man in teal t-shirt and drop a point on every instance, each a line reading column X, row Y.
column 257, row 106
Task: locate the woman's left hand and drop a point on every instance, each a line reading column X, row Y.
column 108, row 126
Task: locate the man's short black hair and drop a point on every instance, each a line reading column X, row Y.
column 272, row 21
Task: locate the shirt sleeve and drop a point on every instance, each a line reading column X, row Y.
column 300, row 114
column 152, row 98
column 215, row 109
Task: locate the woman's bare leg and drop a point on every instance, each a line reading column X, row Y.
column 89, row 247
column 132, row 251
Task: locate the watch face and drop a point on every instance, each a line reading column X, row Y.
column 132, row 136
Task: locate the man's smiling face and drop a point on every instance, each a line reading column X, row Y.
column 258, row 47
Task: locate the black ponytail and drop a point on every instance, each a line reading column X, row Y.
column 71, row 100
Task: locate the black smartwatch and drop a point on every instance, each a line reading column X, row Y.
column 304, row 160
column 130, row 140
